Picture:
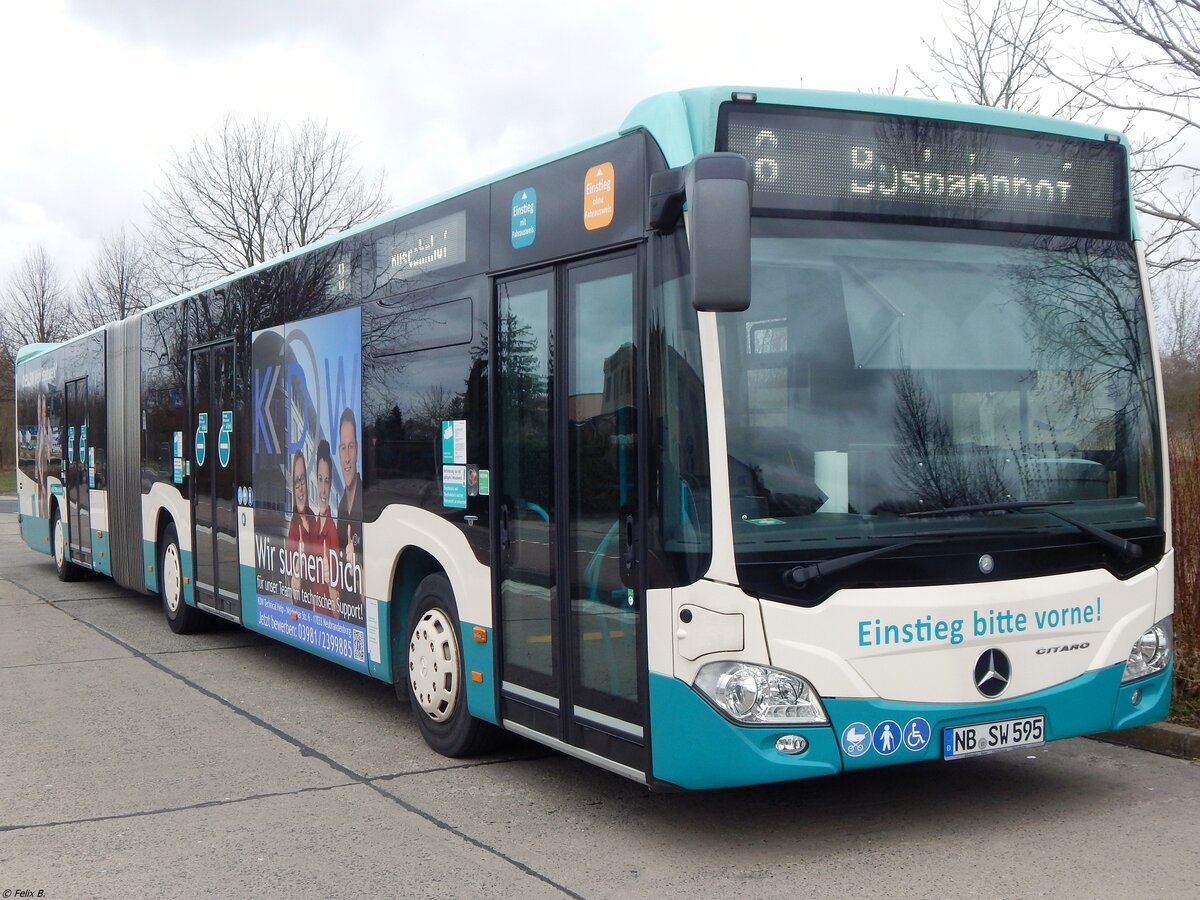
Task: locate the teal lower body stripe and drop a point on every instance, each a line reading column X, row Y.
column 694, row 746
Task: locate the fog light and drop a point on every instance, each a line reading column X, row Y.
column 791, row 744
column 1136, row 697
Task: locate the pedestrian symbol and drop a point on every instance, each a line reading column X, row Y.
column 855, row 739
column 886, row 737
column 916, row 734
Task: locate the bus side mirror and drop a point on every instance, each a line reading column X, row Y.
column 716, row 188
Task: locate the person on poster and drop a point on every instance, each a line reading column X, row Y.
column 42, row 458
column 300, row 531
column 349, row 514
column 325, row 538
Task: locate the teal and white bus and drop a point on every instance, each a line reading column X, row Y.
column 774, row 434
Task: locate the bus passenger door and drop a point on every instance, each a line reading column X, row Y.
column 566, row 504
column 214, row 513
column 75, row 484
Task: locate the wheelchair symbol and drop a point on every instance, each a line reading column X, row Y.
column 916, row 734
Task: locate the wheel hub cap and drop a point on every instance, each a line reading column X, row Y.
column 433, row 665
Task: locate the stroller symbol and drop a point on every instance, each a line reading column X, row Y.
column 855, row 738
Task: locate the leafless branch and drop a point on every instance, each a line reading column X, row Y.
column 117, row 283
column 251, row 192
column 35, row 308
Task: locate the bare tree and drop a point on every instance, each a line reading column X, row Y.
column 36, row 309
column 251, row 192
column 118, row 282
column 1154, row 81
column 997, row 54
column 1178, row 316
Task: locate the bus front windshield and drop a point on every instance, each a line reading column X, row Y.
column 882, row 370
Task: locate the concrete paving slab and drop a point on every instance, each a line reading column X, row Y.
column 344, row 842
column 912, row 823
column 330, row 708
column 140, row 622
column 13, row 594
column 120, row 736
column 38, row 634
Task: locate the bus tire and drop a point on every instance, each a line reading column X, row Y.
column 67, row 570
column 434, row 680
column 182, row 618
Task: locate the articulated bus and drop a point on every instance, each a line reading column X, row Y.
column 774, row 434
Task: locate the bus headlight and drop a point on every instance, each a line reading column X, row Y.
column 1151, row 652
column 760, row 695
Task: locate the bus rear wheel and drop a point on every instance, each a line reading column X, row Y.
column 435, row 682
column 182, row 618
column 67, row 570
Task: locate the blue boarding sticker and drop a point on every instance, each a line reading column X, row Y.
column 524, row 218
column 886, row 737
column 856, row 738
column 916, row 734
column 223, row 448
column 201, row 447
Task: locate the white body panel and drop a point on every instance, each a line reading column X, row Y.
column 98, row 504
column 400, row 527
column 166, row 496
column 722, row 599
column 1166, row 586
column 245, row 537
column 26, row 495
column 838, row 647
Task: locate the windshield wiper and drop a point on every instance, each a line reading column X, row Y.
column 1128, row 550
column 800, row 576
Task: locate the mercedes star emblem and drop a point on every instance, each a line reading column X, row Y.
column 992, row 672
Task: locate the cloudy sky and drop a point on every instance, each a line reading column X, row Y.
column 435, row 93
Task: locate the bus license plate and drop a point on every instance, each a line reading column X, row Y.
column 988, row 737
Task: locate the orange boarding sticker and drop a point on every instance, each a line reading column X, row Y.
column 599, row 196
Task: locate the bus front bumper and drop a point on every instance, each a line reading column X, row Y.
column 695, row 747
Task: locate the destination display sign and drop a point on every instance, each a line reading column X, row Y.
column 830, row 164
column 434, row 245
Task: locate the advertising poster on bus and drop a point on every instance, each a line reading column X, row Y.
column 39, row 438
column 308, row 484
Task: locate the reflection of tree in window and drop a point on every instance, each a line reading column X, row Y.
column 419, row 369
column 937, row 471
column 1087, row 333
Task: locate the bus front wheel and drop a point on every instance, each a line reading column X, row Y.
column 435, row 681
